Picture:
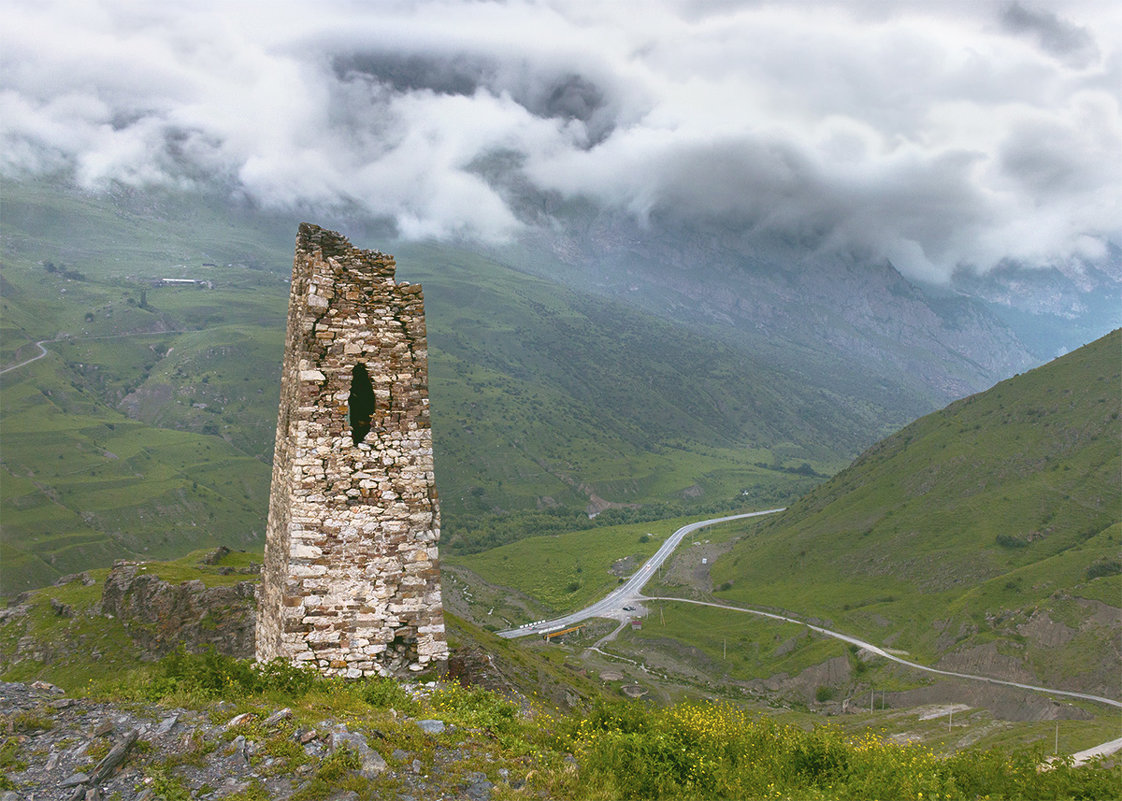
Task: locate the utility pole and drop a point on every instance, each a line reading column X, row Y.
column 872, row 699
column 724, row 648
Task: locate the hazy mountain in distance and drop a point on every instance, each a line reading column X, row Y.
column 858, row 324
column 1055, row 309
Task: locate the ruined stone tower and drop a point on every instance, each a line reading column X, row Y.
column 351, row 580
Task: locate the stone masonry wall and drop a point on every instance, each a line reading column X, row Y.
column 351, row 581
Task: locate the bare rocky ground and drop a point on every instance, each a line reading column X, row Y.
column 58, row 748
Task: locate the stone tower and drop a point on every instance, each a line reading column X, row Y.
column 351, row 582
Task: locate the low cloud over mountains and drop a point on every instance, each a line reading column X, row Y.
column 936, row 135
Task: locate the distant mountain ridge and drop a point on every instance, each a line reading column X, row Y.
column 836, row 315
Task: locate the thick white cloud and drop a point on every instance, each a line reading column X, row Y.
column 939, row 135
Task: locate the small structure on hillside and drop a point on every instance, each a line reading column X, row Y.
column 351, row 580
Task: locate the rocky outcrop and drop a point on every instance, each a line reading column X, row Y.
column 62, row 748
column 160, row 616
column 1004, row 703
column 985, row 660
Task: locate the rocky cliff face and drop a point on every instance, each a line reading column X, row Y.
column 160, row 616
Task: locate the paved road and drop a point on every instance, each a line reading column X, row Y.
column 627, row 594
column 1104, row 750
column 25, row 362
column 630, row 593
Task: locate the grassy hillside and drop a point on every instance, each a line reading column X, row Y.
column 147, row 429
column 144, row 430
column 985, row 535
column 533, row 721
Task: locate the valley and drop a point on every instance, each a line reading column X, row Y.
column 548, row 405
column 516, row 401
column 629, row 593
column 575, row 434
column 692, row 630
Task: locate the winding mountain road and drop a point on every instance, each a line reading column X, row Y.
column 42, row 352
column 837, row 635
column 615, row 603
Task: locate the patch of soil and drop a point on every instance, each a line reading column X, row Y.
column 986, row 660
column 1005, row 703
column 626, row 566
column 831, row 673
column 1041, row 629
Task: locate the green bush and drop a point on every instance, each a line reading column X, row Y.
column 716, row 751
column 282, row 676
column 383, row 693
column 214, row 675
column 476, row 708
column 1104, row 567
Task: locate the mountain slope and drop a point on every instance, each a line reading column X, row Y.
column 126, row 435
column 848, row 323
column 985, row 535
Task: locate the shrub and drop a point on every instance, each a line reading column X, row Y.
column 214, row 675
column 383, row 693
column 695, row 751
column 26, row 722
column 10, row 761
column 1103, row 567
column 476, row 708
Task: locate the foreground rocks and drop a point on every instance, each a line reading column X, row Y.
column 58, row 748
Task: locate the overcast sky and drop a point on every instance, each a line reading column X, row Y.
column 938, row 134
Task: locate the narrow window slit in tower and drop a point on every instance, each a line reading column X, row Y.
column 360, row 404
